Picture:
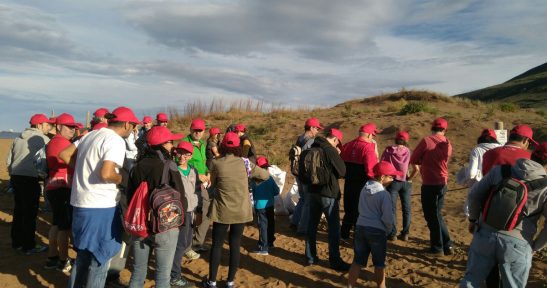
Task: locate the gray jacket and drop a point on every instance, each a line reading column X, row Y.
column 375, row 207
column 192, row 189
column 536, row 204
column 22, row 151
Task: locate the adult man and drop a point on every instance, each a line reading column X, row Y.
column 161, row 119
column 247, row 147
column 25, row 182
column 99, row 120
column 324, row 199
column 360, row 156
column 141, row 137
column 520, row 138
column 96, row 224
column 511, row 250
column 430, row 157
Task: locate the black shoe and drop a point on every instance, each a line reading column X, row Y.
column 403, row 237
column 205, row 284
column 51, row 263
column 449, row 250
column 340, row 266
column 434, row 253
column 391, row 238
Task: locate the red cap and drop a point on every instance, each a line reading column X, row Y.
column 39, row 119
column 440, row 123
column 337, row 133
column 97, row 126
column 402, row 135
column 313, row 122
column 186, row 146
column 369, row 128
column 67, row 120
column 240, row 128
column 197, row 124
column 162, row 117
column 100, row 112
column 524, row 131
column 231, row 140
column 541, row 151
column 146, row 119
column 124, row 114
column 161, row 134
column 489, row 132
column 214, row 131
column 386, row 168
column 262, row 162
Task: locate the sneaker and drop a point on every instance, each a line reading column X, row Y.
column 449, row 250
column 230, row 285
column 205, row 284
column 51, row 263
column 341, row 266
column 37, row 249
column 260, row 252
column 403, row 237
column 192, row 255
column 391, row 237
column 65, row 266
column 433, row 253
column 180, row 283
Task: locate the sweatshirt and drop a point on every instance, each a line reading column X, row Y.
column 22, row 151
column 375, row 208
column 432, row 154
column 399, row 157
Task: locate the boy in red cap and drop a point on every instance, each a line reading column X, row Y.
column 161, row 119
column 247, row 147
column 374, row 223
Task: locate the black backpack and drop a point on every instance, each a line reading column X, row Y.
column 313, row 167
column 166, row 211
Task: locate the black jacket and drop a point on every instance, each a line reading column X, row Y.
column 337, row 168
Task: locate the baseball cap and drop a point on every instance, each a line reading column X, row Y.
column 240, row 128
column 386, row 168
column 230, row 140
column 262, row 162
column 162, row 117
column 146, row 119
column 100, row 112
column 67, row 120
column 369, row 128
column 186, row 146
column 197, row 124
column 313, row 122
column 440, row 123
column 124, row 114
column 524, row 131
column 540, row 152
column 402, row 135
column 214, row 131
column 39, row 119
column 161, row 134
column 337, row 133
column 489, row 132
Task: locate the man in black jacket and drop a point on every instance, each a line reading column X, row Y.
column 325, row 199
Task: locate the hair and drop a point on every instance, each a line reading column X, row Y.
column 487, row 139
column 33, row 126
column 437, row 129
column 223, row 150
column 307, row 128
column 159, row 147
column 400, row 141
column 540, row 160
column 516, row 138
column 116, row 124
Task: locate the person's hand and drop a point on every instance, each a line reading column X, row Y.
column 203, row 178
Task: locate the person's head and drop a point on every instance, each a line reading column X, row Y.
column 99, row 115
column 384, row 172
column 439, row 126
column 401, row 138
column 521, row 136
column 197, row 129
column 540, row 154
column 335, row 137
column 41, row 122
column 240, row 129
column 147, row 123
column 487, row 136
column 122, row 120
column 184, row 151
column 230, row 144
column 368, row 131
column 161, row 137
column 161, row 119
column 66, row 126
column 214, row 133
column 313, row 126
column 262, row 162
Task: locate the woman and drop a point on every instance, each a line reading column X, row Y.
column 150, row 169
column 212, row 146
column 231, row 205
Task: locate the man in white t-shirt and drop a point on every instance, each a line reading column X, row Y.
column 96, row 225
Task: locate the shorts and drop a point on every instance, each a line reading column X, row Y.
column 370, row 240
column 59, row 199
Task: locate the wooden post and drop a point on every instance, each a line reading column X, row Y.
column 498, row 125
column 87, row 123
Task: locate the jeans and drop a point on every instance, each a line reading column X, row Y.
column 87, row 272
column 352, row 191
column 164, row 245
column 117, row 263
column 401, row 189
column 26, row 198
column 183, row 243
column 488, row 247
column 432, row 204
column 370, row 240
column 219, row 234
column 266, row 228
column 331, row 208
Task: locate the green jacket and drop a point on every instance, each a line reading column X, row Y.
column 199, row 157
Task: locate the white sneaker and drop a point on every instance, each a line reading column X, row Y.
column 192, row 255
column 65, row 266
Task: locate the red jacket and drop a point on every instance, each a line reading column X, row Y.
column 432, row 154
column 504, row 155
column 358, row 151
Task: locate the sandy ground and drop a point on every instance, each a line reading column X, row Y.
column 407, row 265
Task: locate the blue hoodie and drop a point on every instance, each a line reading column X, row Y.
column 375, row 208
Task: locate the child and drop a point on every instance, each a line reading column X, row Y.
column 374, row 223
column 263, row 195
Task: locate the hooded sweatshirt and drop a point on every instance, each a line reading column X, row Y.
column 375, row 208
column 399, row 157
column 432, row 154
column 21, row 155
column 536, row 205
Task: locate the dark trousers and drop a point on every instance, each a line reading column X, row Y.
column 432, row 204
column 219, row 234
column 26, row 198
column 352, row 191
column 183, row 243
column 266, row 228
column 402, row 190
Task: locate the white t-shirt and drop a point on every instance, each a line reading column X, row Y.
column 88, row 189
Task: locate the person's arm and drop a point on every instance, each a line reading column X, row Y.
column 9, row 159
column 387, row 212
column 339, row 167
column 480, row 190
column 418, row 153
column 370, row 160
column 68, row 155
column 275, row 188
column 131, row 142
column 541, row 240
column 246, row 148
column 108, row 173
column 415, row 170
column 473, row 167
column 259, row 173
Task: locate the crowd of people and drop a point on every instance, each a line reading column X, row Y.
column 93, row 175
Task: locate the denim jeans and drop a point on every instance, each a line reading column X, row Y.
column 87, row 272
column 164, row 245
column 369, row 240
column 402, row 190
column 488, row 247
column 266, row 228
column 331, row 208
column 183, row 243
column 432, row 204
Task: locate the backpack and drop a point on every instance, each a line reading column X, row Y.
column 39, row 160
column 166, row 211
column 312, row 167
column 294, row 157
column 136, row 216
column 504, row 207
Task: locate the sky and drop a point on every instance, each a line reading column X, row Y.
column 152, row 55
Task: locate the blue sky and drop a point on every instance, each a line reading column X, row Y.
column 152, row 55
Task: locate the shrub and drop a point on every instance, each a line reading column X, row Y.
column 508, row 107
column 415, row 107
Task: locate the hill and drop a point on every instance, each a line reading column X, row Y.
column 8, row 135
column 528, row 89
